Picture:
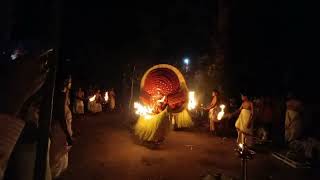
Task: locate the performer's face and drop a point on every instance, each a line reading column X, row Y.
column 243, row 97
column 213, row 93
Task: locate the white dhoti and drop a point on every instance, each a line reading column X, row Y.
column 245, row 130
column 94, row 107
column 292, row 125
column 213, row 112
column 112, row 103
column 79, row 107
column 59, row 152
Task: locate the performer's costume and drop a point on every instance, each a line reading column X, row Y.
column 162, row 87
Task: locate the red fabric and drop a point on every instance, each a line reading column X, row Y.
column 167, row 82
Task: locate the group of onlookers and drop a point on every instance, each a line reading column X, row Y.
column 265, row 119
column 95, row 100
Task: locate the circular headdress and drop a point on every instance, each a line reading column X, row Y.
column 167, row 80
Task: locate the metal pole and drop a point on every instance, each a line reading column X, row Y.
column 244, row 168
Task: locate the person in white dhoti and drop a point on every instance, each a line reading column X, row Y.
column 112, row 99
column 94, row 104
column 244, row 124
column 22, row 161
column 213, row 111
column 61, row 131
column 78, row 108
column 293, row 121
column 18, row 136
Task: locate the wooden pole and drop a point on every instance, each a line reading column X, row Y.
column 132, row 86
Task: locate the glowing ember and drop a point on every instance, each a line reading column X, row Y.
column 106, row 96
column 92, row 98
column 143, row 110
column 221, row 113
column 192, row 101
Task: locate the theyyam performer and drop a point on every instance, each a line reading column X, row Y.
column 163, row 94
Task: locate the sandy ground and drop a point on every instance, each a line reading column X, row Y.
column 104, row 149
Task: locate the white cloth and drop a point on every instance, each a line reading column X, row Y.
column 292, row 125
column 112, row 102
column 94, row 107
column 213, row 112
column 244, row 128
column 10, row 130
column 62, row 164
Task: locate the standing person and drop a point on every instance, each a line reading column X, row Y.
column 94, row 104
column 244, row 124
column 98, row 101
column 293, row 121
column 213, row 111
column 112, row 99
column 19, row 110
column 79, row 105
column 61, row 133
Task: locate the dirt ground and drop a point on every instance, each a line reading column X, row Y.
column 104, row 149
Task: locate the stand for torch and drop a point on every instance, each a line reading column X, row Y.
column 245, row 154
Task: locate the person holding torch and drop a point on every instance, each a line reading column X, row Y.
column 213, row 111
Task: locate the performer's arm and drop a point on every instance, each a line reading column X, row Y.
column 212, row 104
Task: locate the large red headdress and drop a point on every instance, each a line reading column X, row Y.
column 167, row 80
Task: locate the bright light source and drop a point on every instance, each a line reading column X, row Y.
column 186, row 61
column 192, row 101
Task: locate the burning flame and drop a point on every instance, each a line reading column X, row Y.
column 192, row 100
column 221, row 113
column 241, row 146
column 106, row 96
column 92, row 98
column 143, row 110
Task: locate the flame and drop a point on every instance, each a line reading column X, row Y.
column 192, row 100
column 106, row 96
column 143, row 110
column 241, row 146
column 92, row 98
column 221, row 113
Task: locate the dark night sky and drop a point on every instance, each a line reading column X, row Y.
column 272, row 34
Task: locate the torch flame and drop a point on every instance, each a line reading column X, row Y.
column 192, row 100
column 241, row 146
column 92, row 98
column 106, row 96
column 221, row 113
column 143, row 110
